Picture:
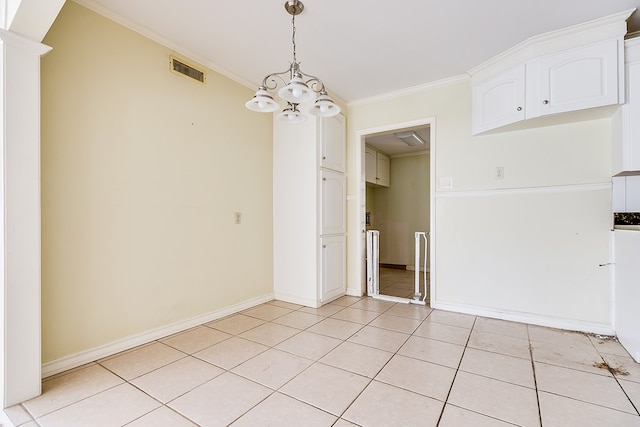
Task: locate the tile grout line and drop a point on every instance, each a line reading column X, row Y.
column 613, row 375
column 535, row 379
column 457, row 369
column 372, row 378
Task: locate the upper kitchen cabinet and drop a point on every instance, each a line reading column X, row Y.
column 499, row 101
column 377, row 167
column 576, row 79
column 626, row 123
column 566, row 70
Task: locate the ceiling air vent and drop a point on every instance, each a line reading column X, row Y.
column 181, row 67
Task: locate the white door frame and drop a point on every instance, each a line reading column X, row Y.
column 361, row 185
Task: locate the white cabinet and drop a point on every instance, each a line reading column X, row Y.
column 575, row 79
column 332, row 271
column 309, row 210
column 332, row 145
column 333, row 189
column 571, row 69
column 627, row 291
column 499, row 101
column 383, row 168
column 377, row 167
column 626, row 193
column 370, row 165
column 626, row 139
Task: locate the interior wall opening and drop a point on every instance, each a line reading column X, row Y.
column 396, row 193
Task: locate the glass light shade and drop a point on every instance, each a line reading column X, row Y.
column 296, row 91
column 292, row 115
column 262, row 102
column 324, row 106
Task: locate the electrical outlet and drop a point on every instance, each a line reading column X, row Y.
column 446, row 183
column 238, row 217
column 499, row 172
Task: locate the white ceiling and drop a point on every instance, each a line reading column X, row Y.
column 359, row 48
column 389, row 144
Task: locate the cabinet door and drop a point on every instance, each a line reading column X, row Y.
column 333, row 271
column 333, row 212
column 370, row 164
column 332, row 142
column 579, row 78
column 626, row 149
column 499, row 101
column 383, row 165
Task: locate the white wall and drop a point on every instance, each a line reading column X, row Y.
column 142, row 171
column 526, row 247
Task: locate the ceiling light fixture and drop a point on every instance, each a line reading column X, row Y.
column 410, row 138
column 300, row 88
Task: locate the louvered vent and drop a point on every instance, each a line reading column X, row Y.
column 180, row 67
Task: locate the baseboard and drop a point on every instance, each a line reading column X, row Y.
column 294, row 299
column 4, row 420
column 547, row 321
column 393, row 266
column 413, row 268
column 354, row 292
column 82, row 358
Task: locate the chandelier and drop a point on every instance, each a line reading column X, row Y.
column 301, row 87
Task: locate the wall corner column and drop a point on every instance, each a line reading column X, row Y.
column 20, row 266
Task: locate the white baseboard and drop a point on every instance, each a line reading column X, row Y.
column 294, row 299
column 354, row 292
column 413, row 268
column 91, row 355
column 548, row 321
column 4, row 420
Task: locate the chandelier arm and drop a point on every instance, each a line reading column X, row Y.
column 313, row 82
column 271, row 83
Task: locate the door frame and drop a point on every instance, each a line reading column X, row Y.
column 361, row 186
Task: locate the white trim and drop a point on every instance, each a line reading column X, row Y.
column 554, row 41
column 359, row 173
column 183, row 51
column 119, row 19
column 612, row 279
column 547, row 321
column 294, row 299
column 524, row 190
column 354, row 292
column 91, row 355
column 17, row 40
column 4, row 420
column 410, row 90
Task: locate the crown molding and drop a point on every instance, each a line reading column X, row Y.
column 410, row 90
column 183, row 51
column 596, row 30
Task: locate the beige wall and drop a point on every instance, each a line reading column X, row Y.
column 142, row 171
column 527, row 247
column 401, row 209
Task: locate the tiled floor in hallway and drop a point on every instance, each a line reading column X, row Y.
column 355, row 361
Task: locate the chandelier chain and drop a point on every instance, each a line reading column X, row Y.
column 293, row 36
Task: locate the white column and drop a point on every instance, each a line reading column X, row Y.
column 20, row 369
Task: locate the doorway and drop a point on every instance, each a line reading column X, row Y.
column 397, row 200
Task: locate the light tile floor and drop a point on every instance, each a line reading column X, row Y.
column 355, row 361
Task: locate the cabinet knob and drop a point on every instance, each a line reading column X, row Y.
column 519, row 109
column 324, row 157
column 324, row 246
column 324, row 179
column 545, row 102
